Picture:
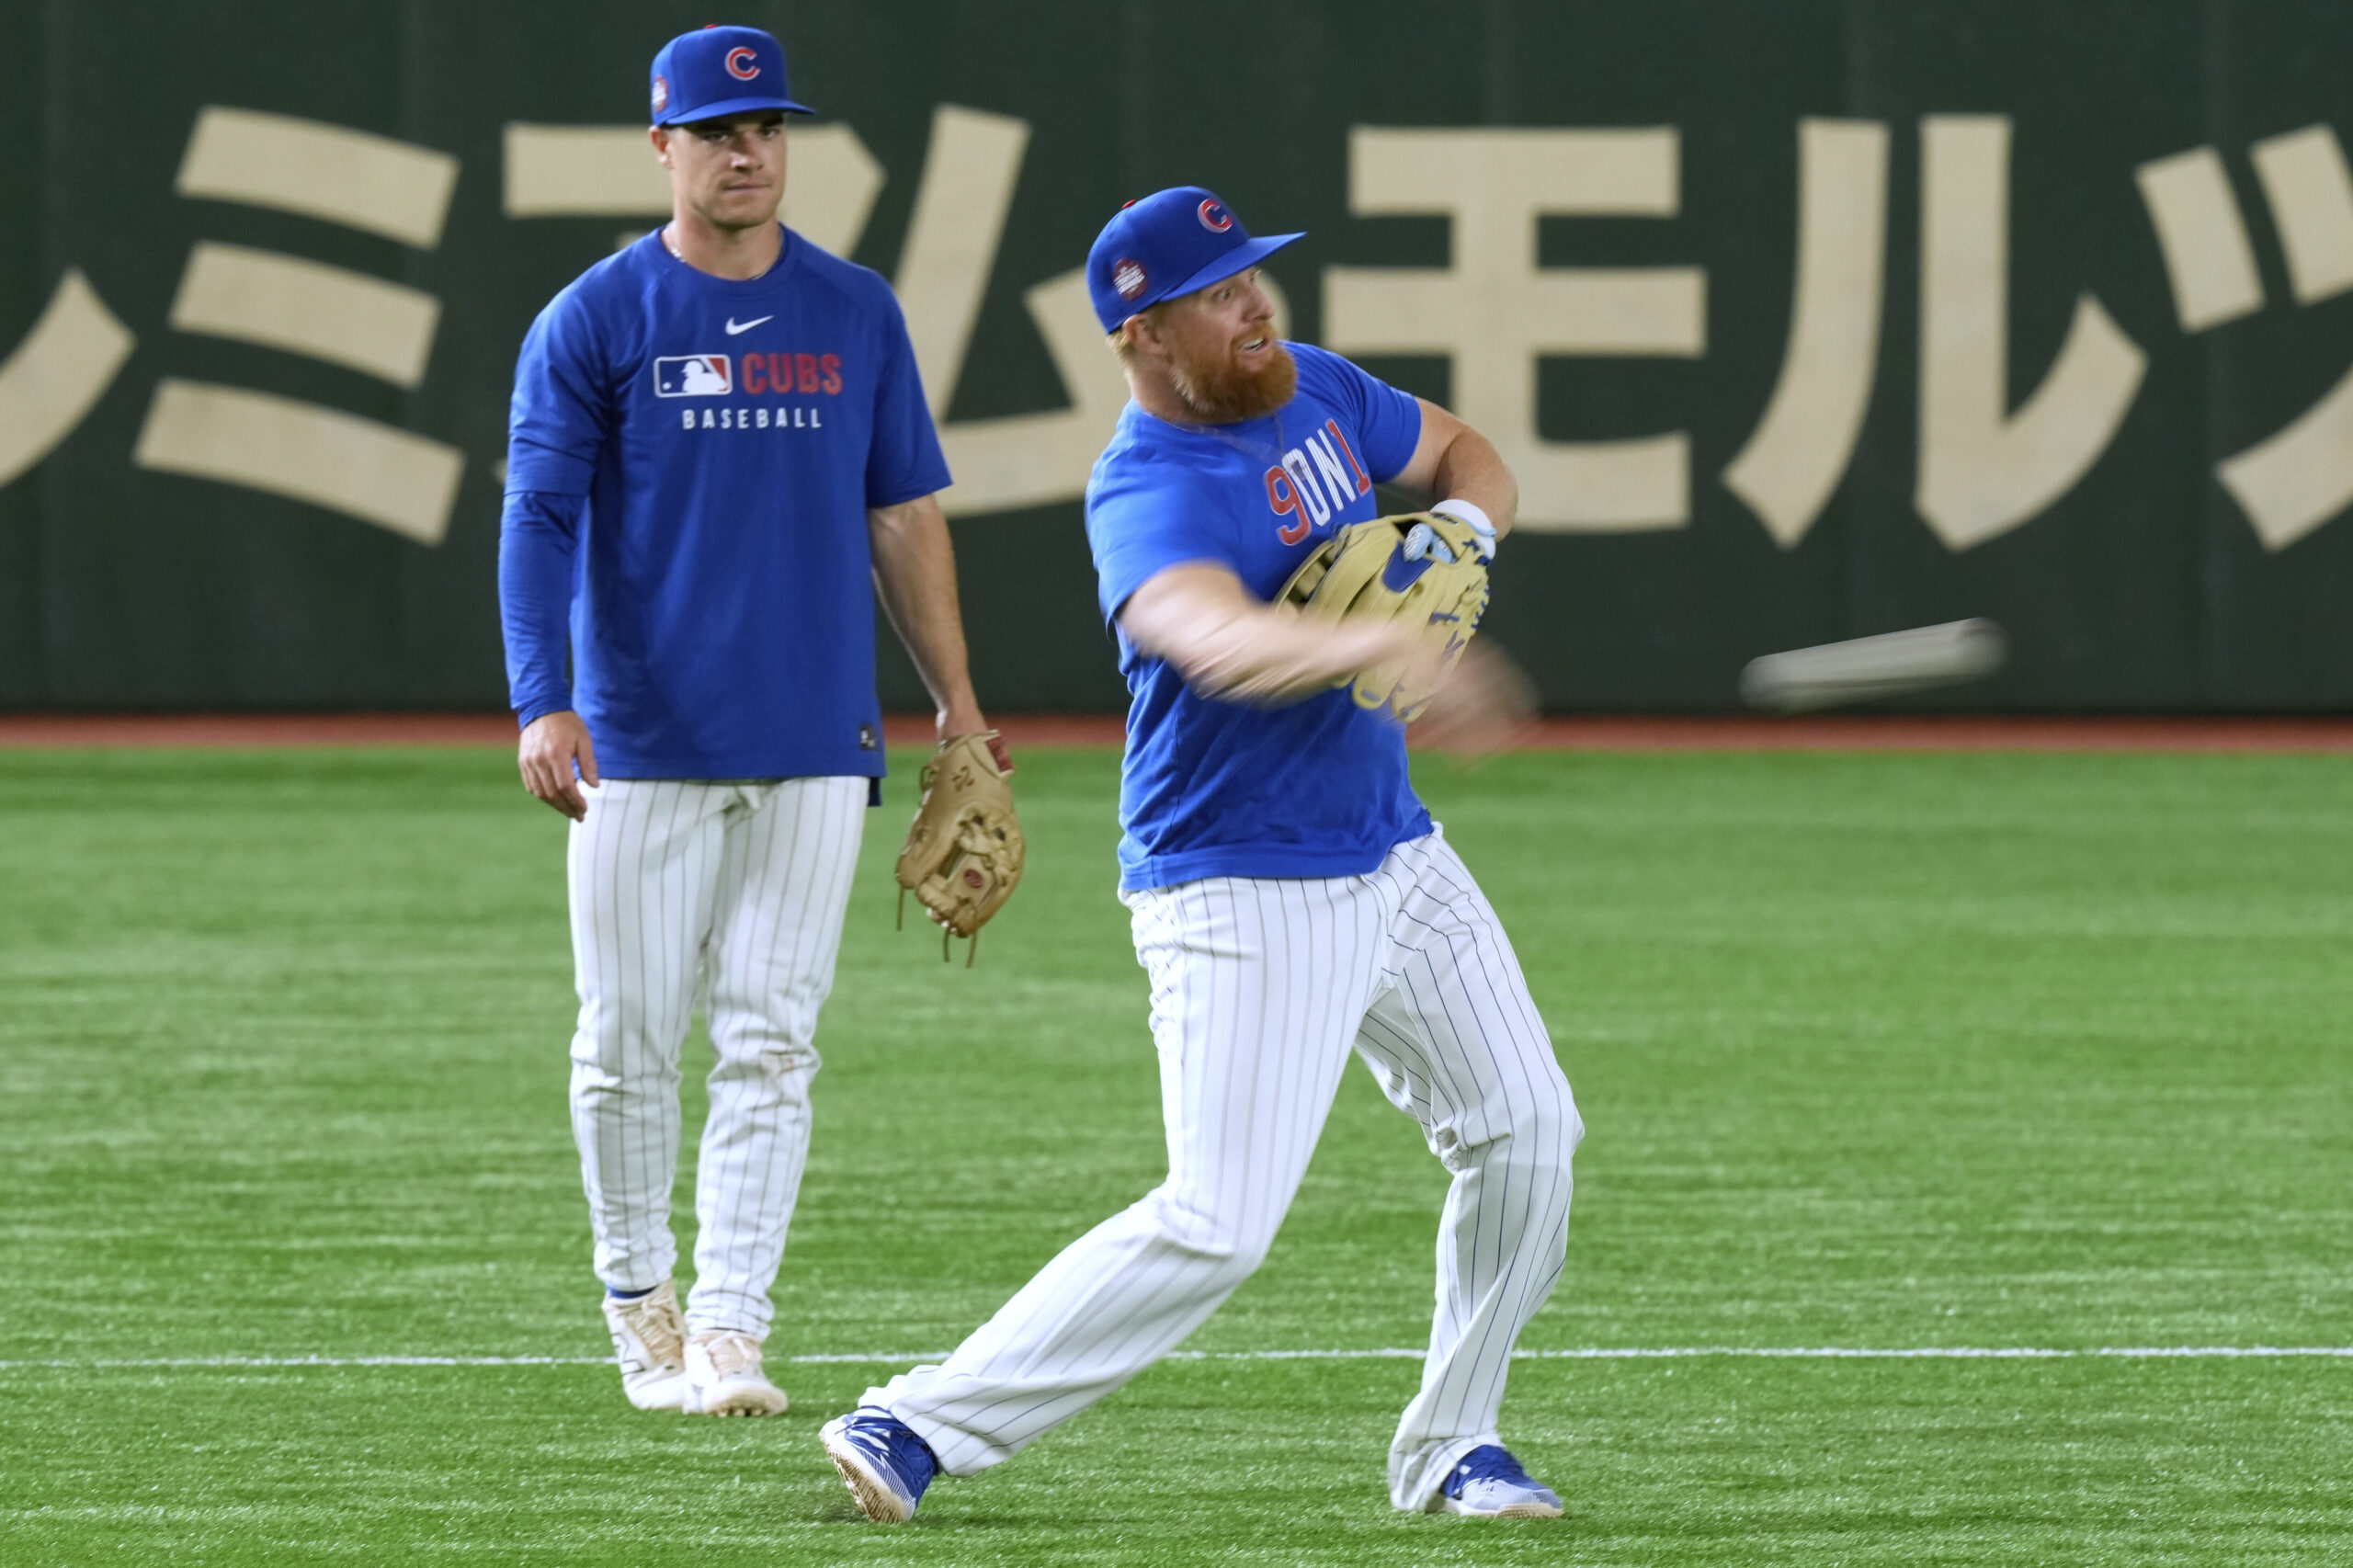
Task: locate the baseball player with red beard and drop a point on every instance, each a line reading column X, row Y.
column 719, row 451
column 1290, row 898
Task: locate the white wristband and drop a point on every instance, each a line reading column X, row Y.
column 1471, row 512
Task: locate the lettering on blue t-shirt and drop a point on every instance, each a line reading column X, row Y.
column 1215, row 789
column 729, row 437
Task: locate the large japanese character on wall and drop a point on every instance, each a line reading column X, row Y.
column 52, row 379
column 2302, row 476
column 1493, row 312
column 1983, row 469
column 362, row 468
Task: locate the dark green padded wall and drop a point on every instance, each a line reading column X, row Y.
column 2143, row 587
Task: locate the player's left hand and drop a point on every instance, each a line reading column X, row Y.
column 956, row 721
column 965, row 850
column 1427, row 571
column 997, row 748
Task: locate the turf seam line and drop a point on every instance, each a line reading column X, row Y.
column 1594, row 1353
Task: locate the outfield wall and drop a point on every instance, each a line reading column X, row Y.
column 1799, row 321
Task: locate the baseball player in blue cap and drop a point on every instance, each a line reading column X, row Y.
column 718, row 448
column 1290, row 898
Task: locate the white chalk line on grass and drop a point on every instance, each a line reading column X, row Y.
column 1596, row 1353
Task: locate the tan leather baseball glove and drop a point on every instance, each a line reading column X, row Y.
column 964, row 853
column 1425, row 568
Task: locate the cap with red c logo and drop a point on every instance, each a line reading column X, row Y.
column 716, row 70
column 1167, row 244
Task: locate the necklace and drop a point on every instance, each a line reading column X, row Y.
column 672, row 246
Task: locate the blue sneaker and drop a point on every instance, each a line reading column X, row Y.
column 882, row 1462
column 1488, row 1483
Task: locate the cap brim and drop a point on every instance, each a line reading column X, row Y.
column 726, row 107
column 1247, row 255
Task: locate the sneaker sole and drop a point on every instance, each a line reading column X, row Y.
column 769, row 1401
column 669, row 1393
column 875, row 1498
column 1509, row 1511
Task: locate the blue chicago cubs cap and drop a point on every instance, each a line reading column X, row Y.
column 719, row 70
column 1169, row 243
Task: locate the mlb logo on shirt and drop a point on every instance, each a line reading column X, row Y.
column 692, row 375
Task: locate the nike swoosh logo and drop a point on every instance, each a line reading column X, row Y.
column 734, row 326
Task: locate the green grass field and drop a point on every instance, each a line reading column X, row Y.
column 1876, row 1051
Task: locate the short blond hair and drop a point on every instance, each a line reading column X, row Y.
column 1120, row 344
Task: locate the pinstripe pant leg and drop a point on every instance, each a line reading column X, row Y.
column 642, row 868
column 784, row 882
column 1256, row 989
column 1456, row 1041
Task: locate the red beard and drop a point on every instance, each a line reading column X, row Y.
column 1228, row 394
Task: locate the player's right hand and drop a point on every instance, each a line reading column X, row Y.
column 1484, row 705
column 556, row 757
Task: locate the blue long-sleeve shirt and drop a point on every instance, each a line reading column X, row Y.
column 538, row 542
column 690, row 460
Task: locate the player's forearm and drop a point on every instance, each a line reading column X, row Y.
column 914, row 576
column 1228, row 644
column 1269, row 657
column 1471, row 468
column 538, row 533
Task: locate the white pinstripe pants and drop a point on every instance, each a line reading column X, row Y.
column 1260, row 988
column 732, row 894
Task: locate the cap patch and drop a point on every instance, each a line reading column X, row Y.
column 661, row 94
column 1214, row 217
column 1128, row 277
column 742, row 63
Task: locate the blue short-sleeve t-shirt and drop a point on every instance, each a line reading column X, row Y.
column 729, row 436
column 1217, row 789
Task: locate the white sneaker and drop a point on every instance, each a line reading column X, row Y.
column 724, row 1378
column 650, row 1343
column 1488, row 1483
